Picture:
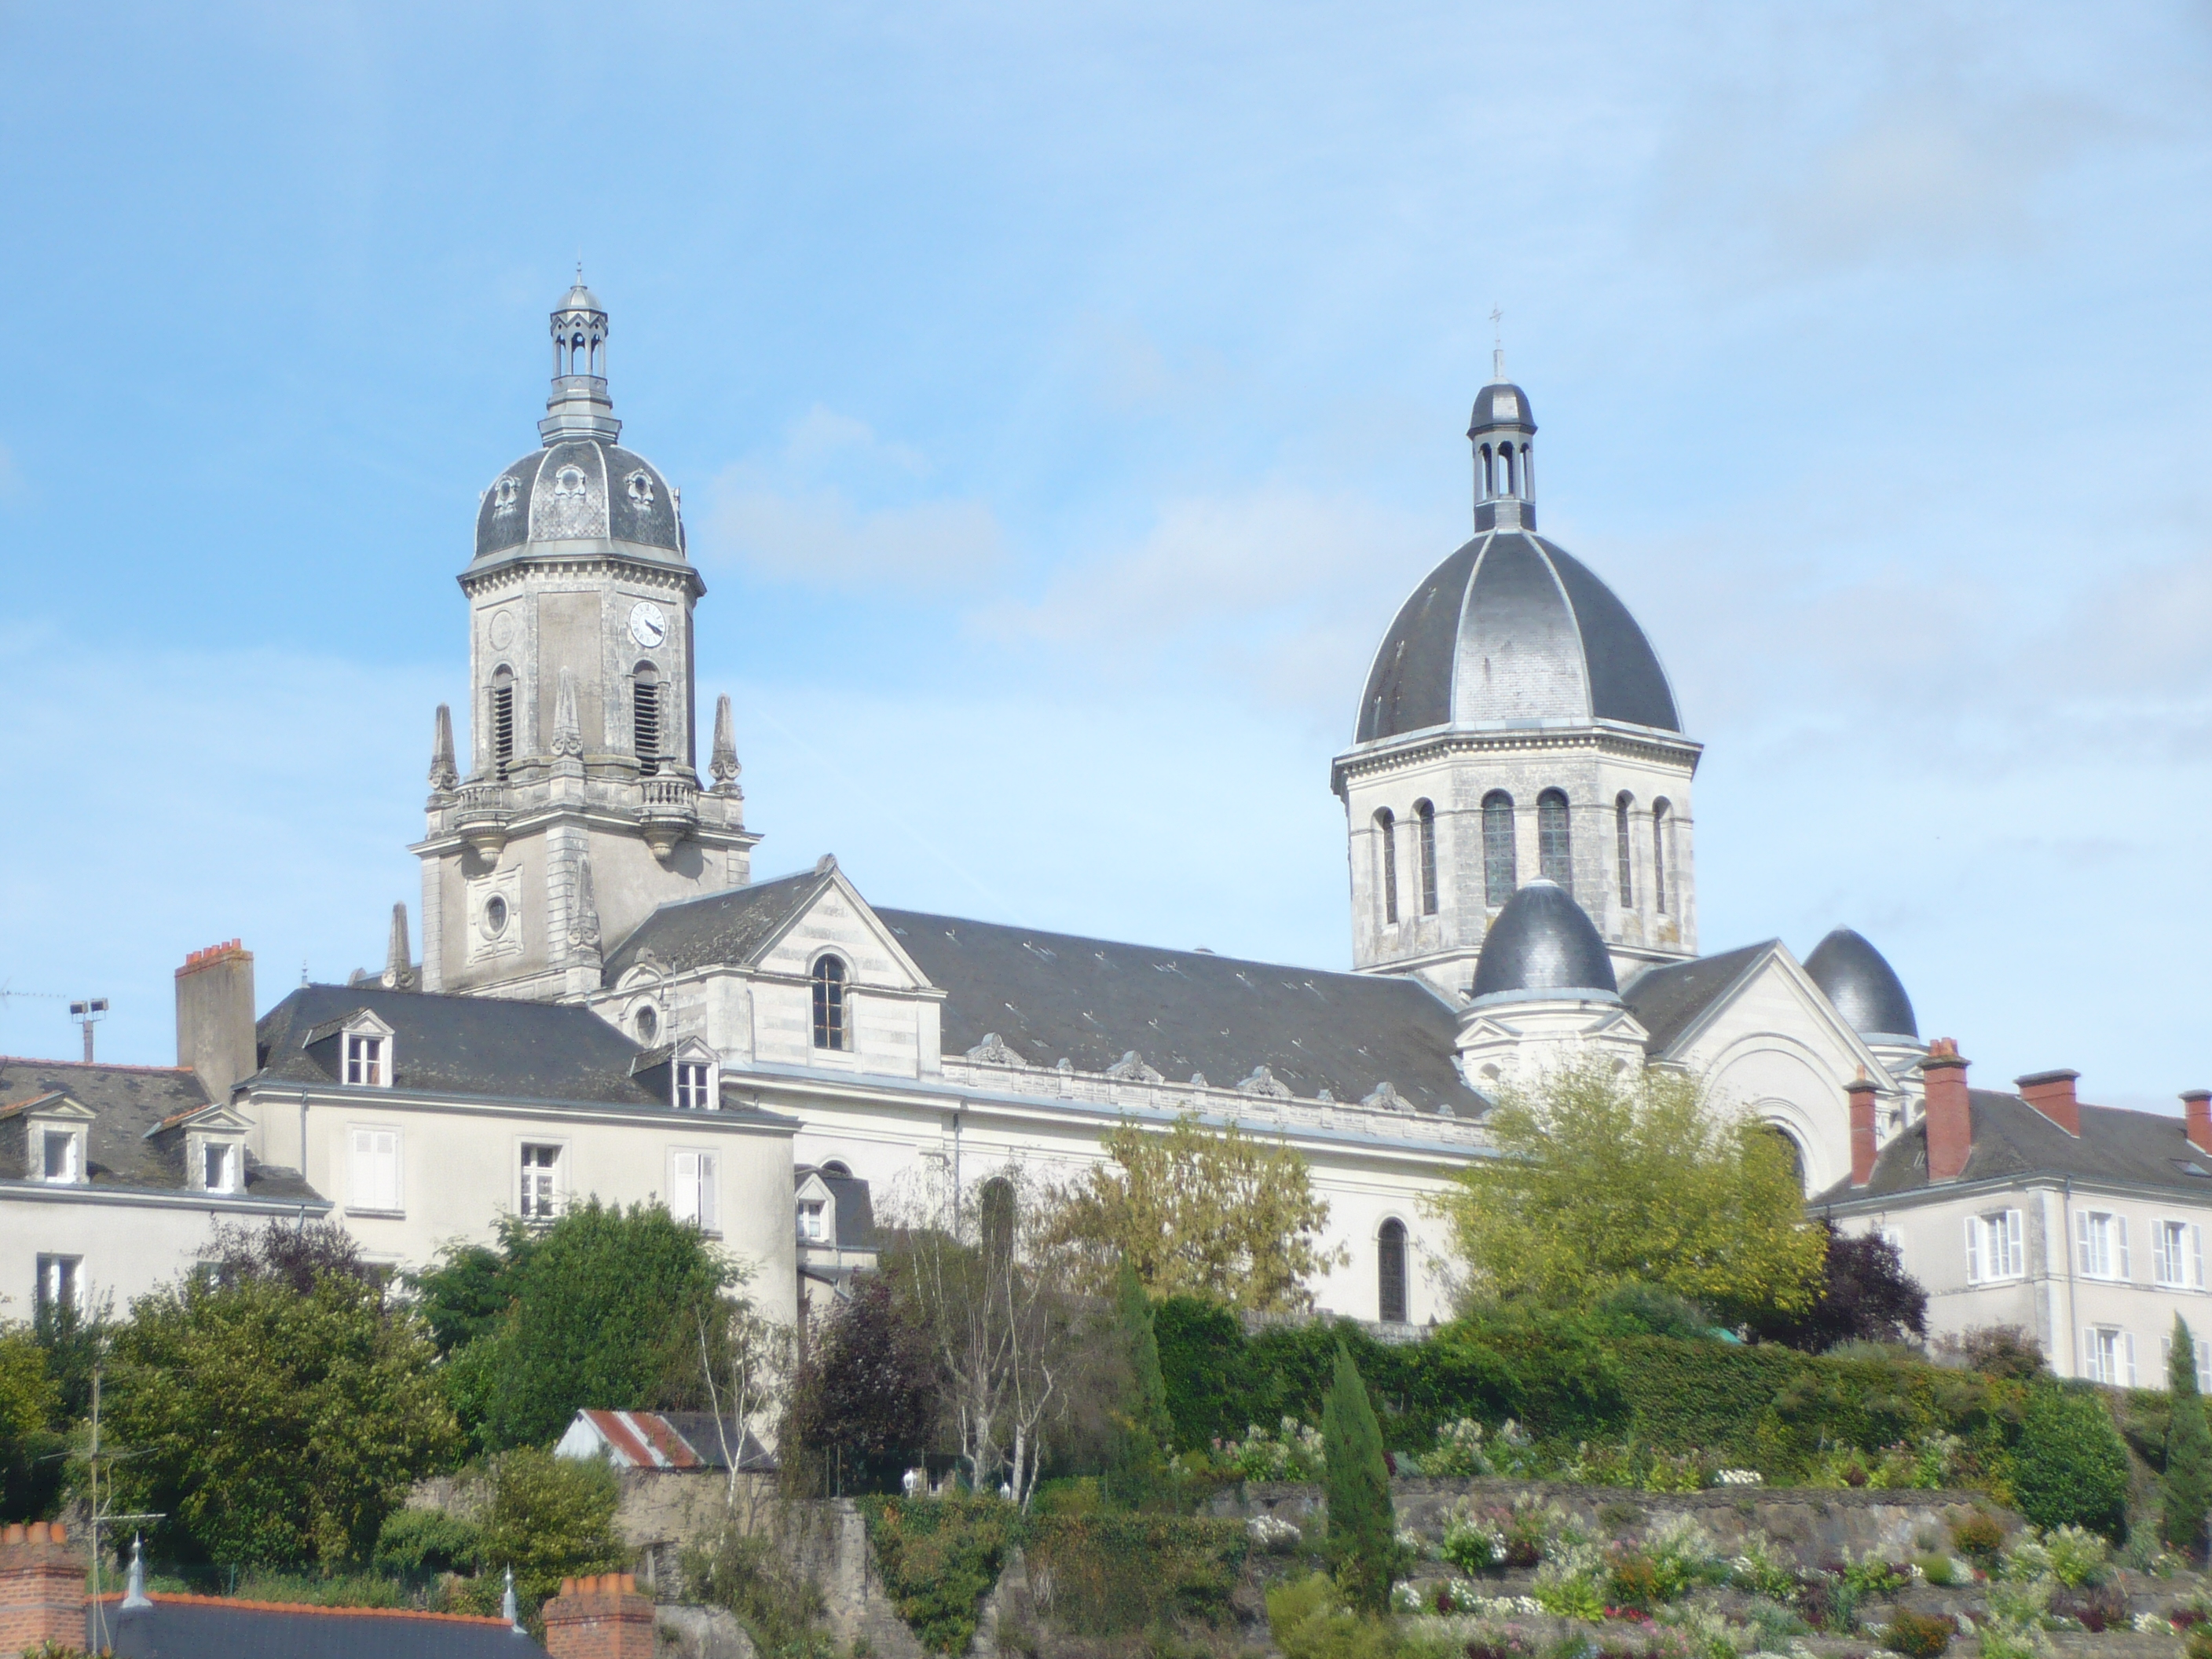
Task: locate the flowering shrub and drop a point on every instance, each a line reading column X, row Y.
column 1760, row 1571
column 1474, row 1541
column 1295, row 1455
column 1273, row 1535
column 1918, row 1635
column 1738, row 1478
column 1572, row 1583
column 1872, row 1575
column 1683, row 1558
column 2077, row 1555
column 1458, row 1451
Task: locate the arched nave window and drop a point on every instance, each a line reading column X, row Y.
column 1424, row 817
column 1498, row 879
column 1621, row 805
column 1386, row 836
column 1662, row 833
column 1390, row 1273
column 830, row 1003
column 1555, row 853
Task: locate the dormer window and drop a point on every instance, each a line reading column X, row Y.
column 813, row 1220
column 364, row 1060
column 61, row 1157
column 219, row 1166
column 694, row 1081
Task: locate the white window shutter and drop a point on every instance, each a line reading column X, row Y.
column 2196, row 1257
column 2081, row 1235
column 2096, row 1354
column 388, row 1169
column 710, row 1206
column 2203, row 1366
column 362, row 1151
column 2128, row 1349
column 683, row 1186
column 2120, row 1225
column 2161, row 1258
column 2015, row 1254
column 1973, row 1249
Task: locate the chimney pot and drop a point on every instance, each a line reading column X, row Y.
column 1949, row 1115
column 2052, row 1093
column 2196, row 1103
column 1861, row 1091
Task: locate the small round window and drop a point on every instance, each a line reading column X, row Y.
column 494, row 916
column 648, row 1023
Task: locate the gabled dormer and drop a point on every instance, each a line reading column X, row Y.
column 213, row 1145
column 356, row 1048
column 47, row 1139
column 686, row 1074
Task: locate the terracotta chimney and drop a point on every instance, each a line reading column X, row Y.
column 41, row 1589
column 2197, row 1104
column 1950, row 1120
column 215, row 1018
column 2052, row 1093
column 1862, row 1089
column 600, row 1618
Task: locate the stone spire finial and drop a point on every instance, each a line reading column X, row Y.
column 583, row 925
column 134, row 1592
column 443, row 774
column 567, row 731
column 724, row 764
column 398, row 957
column 508, row 1610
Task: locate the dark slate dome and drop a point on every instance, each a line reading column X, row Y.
column 579, row 490
column 1542, row 940
column 1501, row 403
column 1865, row 989
column 1512, row 631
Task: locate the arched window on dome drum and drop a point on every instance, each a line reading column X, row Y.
column 1424, row 817
column 830, row 1003
column 645, row 718
column 1386, row 839
column 1621, row 804
column 1390, row 1273
column 1487, row 492
column 1509, row 474
column 1498, row 878
column 501, row 721
column 1555, row 853
column 1661, row 834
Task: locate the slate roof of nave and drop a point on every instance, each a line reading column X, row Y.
column 127, row 1102
column 1667, row 1000
column 2013, row 1140
column 1051, row 996
column 724, row 929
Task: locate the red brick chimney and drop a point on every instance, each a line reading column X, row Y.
column 41, row 1589
column 600, row 1618
column 2052, row 1093
column 1861, row 1090
column 2197, row 1104
column 1950, row 1121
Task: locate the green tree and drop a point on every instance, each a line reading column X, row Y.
column 2188, row 1448
column 1142, row 1428
column 2069, row 1466
column 1605, row 1180
column 1197, row 1212
column 549, row 1518
column 30, row 1415
column 273, row 1427
column 1363, row 1524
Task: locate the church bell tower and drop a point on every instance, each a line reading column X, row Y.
column 579, row 810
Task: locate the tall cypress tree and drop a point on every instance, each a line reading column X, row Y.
column 2188, row 1448
column 1363, row 1523
column 1144, row 1429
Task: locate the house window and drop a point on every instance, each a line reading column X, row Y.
column 1994, row 1250
column 61, row 1283
column 1555, row 856
column 58, row 1157
column 645, row 718
column 1386, row 841
column 541, row 1176
column 1621, row 853
column 692, row 1194
column 2111, row 1354
column 2177, row 1254
column 691, row 1085
column 2203, row 1361
column 219, row 1166
column 830, row 1003
column 364, row 1061
column 1390, row 1273
column 1659, row 838
column 1498, row 879
column 811, row 1219
column 373, row 1172
column 2102, row 1239
column 1425, row 817
column 502, row 722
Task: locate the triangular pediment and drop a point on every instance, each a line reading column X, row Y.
column 1773, row 1001
column 835, row 918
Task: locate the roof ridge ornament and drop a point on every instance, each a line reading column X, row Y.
column 1131, row 1068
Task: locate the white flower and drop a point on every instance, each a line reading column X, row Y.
column 1738, row 1478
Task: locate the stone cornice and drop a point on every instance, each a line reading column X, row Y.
column 1608, row 738
column 512, row 568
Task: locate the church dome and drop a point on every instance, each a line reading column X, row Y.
column 579, row 490
column 1544, row 942
column 1863, row 987
column 1500, row 403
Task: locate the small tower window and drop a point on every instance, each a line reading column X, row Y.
column 1489, row 477
column 1662, row 833
column 502, row 722
column 1621, row 803
column 1386, row 840
column 1498, row 878
column 645, row 718
column 830, row 1003
column 1555, row 853
column 1425, row 817
column 1390, row 1273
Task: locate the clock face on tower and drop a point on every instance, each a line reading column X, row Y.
column 649, row 623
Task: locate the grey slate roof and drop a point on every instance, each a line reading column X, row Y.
column 206, row 1627
column 1667, row 1000
column 2011, row 1139
column 129, row 1101
column 856, row 1208
column 1487, row 413
column 1513, row 628
column 1542, row 940
column 618, row 495
column 1864, row 988
column 724, row 929
column 1051, row 996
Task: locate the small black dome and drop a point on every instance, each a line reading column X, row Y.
column 1864, row 988
column 1543, row 941
column 1502, row 404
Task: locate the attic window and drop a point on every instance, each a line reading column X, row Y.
column 60, row 1160
column 694, row 1086
column 811, row 1219
column 364, row 1060
column 219, row 1166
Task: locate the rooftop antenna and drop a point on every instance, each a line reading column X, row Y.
column 1496, row 343
column 87, row 1014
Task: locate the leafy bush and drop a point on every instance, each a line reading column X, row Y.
column 1918, row 1635
column 782, row 1611
column 1458, row 1451
column 939, row 1558
column 550, row 1518
column 1475, row 1540
column 2070, row 1468
column 1977, row 1535
column 423, row 1543
column 1116, row 1572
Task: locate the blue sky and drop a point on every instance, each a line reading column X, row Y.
column 1064, row 398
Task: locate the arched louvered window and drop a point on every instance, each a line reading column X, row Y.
column 1555, row 851
column 1424, row 819
column 645, row 718
column 501, row 718
column 1621, row 848
column 1386, row 840
column 830, row 1003
column 1390, row 1273
column 1498, row 879
column 1661, row 835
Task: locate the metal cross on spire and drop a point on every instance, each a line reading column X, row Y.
column 1496, row 343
